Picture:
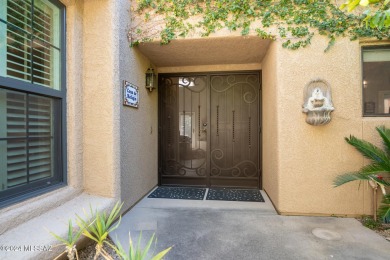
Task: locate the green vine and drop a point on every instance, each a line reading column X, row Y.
column 293, row 21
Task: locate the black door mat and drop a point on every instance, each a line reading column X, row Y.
column 183, row 193
column 234, row 195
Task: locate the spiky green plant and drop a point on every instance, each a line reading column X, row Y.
column 136, row 253
column 98, row 225
column 384, row 210
column 70, row 241
column 376, row 172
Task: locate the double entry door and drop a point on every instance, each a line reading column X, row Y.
column 209, row 130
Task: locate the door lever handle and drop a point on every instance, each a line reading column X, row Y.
column 204, row 130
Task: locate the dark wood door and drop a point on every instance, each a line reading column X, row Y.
column 209, row 130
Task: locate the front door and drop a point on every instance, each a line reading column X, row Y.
column 209, row 130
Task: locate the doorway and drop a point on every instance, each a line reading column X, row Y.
column 209, row 129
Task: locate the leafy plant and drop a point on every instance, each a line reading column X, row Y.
column 376, row 16
column 136, row 253
column 98, row 226
column 370, row 223
column 69, row 242
column 295, row 22
column 384, row 210
column 376, row 172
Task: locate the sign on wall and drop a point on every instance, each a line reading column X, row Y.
column 130, row 94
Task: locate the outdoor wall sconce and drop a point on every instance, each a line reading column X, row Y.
column 317, row 102
column 150, row 79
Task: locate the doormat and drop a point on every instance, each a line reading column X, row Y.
column 183, row 193
column 234, row 195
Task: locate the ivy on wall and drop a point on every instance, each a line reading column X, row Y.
column 377, row 12
column 295, row 22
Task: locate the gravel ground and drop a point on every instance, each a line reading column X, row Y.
column 384, row 232
column 88, row 253
column 382, row 229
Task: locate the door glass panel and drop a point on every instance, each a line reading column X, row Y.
column 184, row 128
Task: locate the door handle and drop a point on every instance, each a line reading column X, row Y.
column 204, row 130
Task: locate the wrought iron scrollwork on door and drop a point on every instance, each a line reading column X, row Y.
column 235, row 154
column 206, row 129
column 184, row 105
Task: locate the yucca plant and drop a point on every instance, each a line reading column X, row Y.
column 136, row 253
column 98, row 225
column 69, row 242
column 376, row 172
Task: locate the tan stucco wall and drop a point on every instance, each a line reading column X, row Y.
column 138, row 126
column 112, row 149
column 309, row 157
column 215, row 67
column 74, row 77
column 100, row 98
column 120, row 143
column 270, row 127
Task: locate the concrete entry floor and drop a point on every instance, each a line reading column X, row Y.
column 246, row 230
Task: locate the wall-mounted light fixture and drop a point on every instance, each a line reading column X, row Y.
column 150, row 79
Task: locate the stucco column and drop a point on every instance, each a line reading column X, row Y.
column 270, row 124
column 100, row 99
column 74, row 89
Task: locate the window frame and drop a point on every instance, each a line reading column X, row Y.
column 362, row 49
column 59, row 178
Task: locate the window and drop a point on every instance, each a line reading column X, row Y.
column 376, row 81
column 32, row 98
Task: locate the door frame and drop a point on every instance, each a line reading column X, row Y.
column 208, row 75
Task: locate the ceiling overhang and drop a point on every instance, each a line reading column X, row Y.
column 206, row 51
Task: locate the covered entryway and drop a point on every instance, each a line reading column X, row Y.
column 209, row 129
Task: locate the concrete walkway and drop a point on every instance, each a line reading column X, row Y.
column 246, row 230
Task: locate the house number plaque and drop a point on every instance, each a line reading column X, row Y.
column 130, row 94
